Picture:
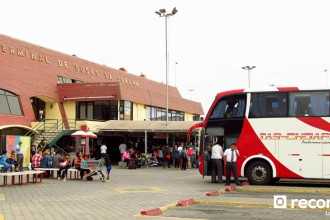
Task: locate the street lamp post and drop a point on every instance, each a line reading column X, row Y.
column 326, row 77
column 248, row 68
column 162, row 13
column 176, row 63
column 191, row 91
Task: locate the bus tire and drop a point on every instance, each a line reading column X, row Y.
column 259, row 173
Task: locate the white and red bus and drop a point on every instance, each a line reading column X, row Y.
column 280, row 132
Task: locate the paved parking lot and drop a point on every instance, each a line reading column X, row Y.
column 131, row 191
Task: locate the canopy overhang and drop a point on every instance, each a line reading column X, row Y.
column 147, row 126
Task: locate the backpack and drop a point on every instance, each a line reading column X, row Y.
column 183, row 154
column 189, row 152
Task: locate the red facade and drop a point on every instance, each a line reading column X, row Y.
column 32, row 71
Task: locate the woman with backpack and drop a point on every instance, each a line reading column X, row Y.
column 184, row 156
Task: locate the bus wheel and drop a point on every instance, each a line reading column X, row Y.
column 259, row 173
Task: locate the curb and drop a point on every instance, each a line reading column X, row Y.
column 227, row 203
column 186, row 202
column 230, row 188
column 152, row 212
column 215, row 193
column 159, row 211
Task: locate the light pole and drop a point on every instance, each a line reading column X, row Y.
column 326, row 77
column 176, row 63
column 162, row 13
column 191, row 91
column 248, row 68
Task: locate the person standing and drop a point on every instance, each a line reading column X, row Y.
column 19, row 155
column 207, row 159
column 167, row 156
column 176, row 156
column 103, row 150
column 180, row 148
column 108, row 167
column 122, row 149
column 184, row 157
column 216, row 158
column 230, row 157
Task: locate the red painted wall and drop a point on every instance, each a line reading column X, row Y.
column 29, row 70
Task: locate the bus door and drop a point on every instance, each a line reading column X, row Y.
column 326, row 160
column 210, row 136
column 202, row 154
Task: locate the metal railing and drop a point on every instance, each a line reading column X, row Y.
column 50, row 129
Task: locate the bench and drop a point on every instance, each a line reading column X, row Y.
column 35, row 175
column 53, row 171
column 73, row 173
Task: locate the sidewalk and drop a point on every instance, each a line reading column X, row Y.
column 128, row 193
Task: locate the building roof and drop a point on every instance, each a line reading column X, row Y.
column 124, row 91
column 149, row 126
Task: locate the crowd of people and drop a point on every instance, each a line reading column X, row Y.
column 41, row 158
column 183, row 156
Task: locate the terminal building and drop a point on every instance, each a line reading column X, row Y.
column 48, row 94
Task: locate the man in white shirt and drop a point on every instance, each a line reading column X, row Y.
column 180, row 147
column 122, row 149
column 230, row 157
column 216, row 159
column 103, row 150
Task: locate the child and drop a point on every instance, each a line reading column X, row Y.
column 3, row 162
column 108, row 167
column 65, row 164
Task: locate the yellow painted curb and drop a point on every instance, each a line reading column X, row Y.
column 283, row 190
column 247, row 204
column 2, row 217
column 173, row 205
column 139, row 189
column 201, row 202
column 2, row 197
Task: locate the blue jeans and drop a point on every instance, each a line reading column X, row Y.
column 5, row 167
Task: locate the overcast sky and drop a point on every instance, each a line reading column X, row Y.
column 287, row 40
